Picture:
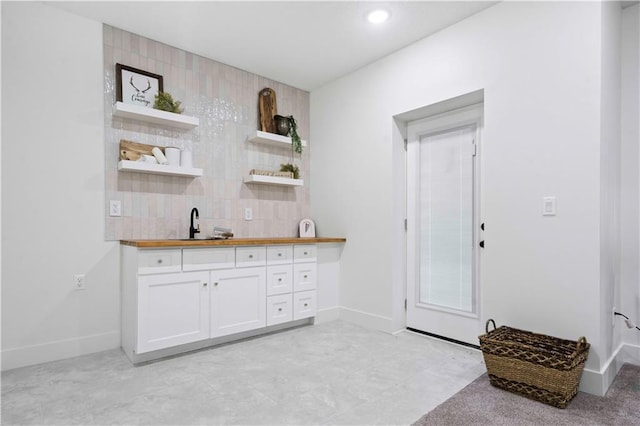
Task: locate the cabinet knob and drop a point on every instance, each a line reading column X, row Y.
column 279, row 280
column 250, row 256
column 305, row 253
column 159, row 261
column 306, row 304
column 204, row 284
column 279, row 309
column 215, row 284
column 305, row 277
column 279, row 254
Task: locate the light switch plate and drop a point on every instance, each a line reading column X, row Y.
column 548, row 206
column 115, row 208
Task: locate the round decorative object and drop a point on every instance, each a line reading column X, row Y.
column 283, row 125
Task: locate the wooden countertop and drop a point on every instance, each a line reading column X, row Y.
column 229, row 242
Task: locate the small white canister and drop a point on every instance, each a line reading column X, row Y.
column 186, row 159
column 173, row 156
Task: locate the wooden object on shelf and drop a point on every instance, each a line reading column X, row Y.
column 132, row 151
column 268, row 108
column 288, row 175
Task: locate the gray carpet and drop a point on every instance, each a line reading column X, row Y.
column 482, row 404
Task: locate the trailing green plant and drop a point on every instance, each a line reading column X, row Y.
column 164, row 101
column 288, row 167
column 296, row 143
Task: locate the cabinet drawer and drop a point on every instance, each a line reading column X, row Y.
column 305, row 276
column 200, row 259
column 279, row 309
column 159, row 261
column 279, row 279
column 251, row 256
column 305, row 253
column 278, row 255
column 304, row 304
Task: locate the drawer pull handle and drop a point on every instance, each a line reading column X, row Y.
column 159, row 261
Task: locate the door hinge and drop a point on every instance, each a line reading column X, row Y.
column 474, row 150
column 405, row 224
column 405, row 143
column 405, row 304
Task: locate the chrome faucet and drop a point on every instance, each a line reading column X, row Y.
column 193, row 231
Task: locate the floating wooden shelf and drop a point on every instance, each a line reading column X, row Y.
column 272, row 180
column 158, row 169
column 272, row 139
column 154, row 116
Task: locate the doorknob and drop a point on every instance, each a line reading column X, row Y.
column 482, row 243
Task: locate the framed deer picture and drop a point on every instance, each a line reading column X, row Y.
column 138, row 87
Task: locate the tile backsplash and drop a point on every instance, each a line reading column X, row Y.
column 225, row 99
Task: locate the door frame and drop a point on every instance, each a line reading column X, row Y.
column 471, row 115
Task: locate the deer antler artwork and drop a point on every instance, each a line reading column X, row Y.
column 138, row 90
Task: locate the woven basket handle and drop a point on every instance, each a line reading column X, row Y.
column 486, row 328
column 582, row 342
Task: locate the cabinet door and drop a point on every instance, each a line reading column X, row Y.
column 238, row 300
column 173, row 309
column 304, row 304
column 279, row 279
column 279, row 309
column 305, row 276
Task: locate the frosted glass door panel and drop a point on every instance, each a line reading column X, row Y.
column 445, row 220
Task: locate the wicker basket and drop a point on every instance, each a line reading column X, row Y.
column 544, row 368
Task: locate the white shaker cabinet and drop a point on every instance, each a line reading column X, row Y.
column 173, row 309
column 237, row 300
column 177, row 299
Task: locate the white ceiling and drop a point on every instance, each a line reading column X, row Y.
column 302, row 44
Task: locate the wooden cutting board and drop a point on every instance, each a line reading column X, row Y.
column 133, row 150
column 268, row 108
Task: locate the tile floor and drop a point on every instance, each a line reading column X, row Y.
column 332, row 373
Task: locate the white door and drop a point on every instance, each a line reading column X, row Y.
column 238, row 300
column 443, row 225
column 173, row 309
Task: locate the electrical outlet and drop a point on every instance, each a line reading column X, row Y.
column 78, row 282
column 248, row 213
column 115, row 208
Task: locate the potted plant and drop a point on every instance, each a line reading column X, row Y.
column 164, row 101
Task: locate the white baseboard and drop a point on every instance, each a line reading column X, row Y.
column 327, row 315
column 374, row 322
column 598, row 382
column 61, row 349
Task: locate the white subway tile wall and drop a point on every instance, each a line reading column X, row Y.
column 225, row 99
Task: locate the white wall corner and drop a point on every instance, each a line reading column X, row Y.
column 598, row 382
column 327, row 315
column 367, row 320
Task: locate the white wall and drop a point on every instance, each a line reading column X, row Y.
column 539, row 64
column 610, row 171
column 53, row 189
column 628, row 299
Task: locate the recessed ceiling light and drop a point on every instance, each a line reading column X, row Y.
column 378, row 16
